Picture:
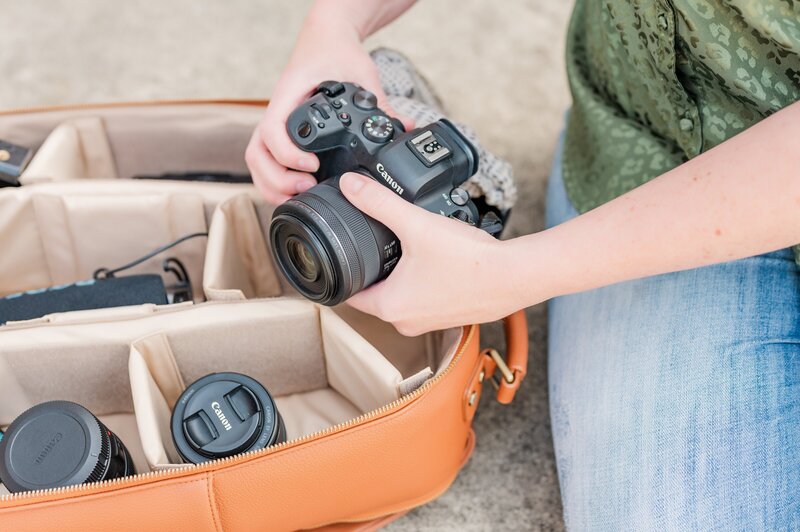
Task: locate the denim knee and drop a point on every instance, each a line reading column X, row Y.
column 674, row 399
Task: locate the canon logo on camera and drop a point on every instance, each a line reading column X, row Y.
column 389, row 179
column 218, row 411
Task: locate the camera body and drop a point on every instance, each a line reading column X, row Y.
column 326, row 247
column 344, row 127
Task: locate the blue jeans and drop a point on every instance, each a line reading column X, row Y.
column 675, row 400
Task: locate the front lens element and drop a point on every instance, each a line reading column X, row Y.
column 302, row 258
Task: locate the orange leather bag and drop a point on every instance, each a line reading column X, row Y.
column 378, row 423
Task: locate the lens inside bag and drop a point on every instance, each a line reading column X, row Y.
column 60, row 443
column 327, row 248
column 223, row 414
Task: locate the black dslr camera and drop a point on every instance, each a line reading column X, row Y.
column 328, row 249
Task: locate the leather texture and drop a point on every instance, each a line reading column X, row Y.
column 516, row 331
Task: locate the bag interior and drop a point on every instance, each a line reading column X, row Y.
column 78, row 210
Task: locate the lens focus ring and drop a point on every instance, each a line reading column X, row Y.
column 352, row 230
column 352, row 243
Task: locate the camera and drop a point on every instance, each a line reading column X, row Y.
column 60, row 443
column 326, row 247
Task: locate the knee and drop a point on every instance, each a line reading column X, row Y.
column 697, row 437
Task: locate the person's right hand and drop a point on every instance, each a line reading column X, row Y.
column 325, row 50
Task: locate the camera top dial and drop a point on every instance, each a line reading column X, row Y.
column 378, row 128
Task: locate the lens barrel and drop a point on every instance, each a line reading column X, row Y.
column 60, row 443
column 348, row 250
column 223, row 414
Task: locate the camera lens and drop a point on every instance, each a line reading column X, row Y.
column 303, row 258
column 60, row 443
column 223, row 414
column 327, row 248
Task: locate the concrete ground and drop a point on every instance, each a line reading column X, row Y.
column 497, row 65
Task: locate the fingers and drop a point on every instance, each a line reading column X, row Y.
column 275, row 182
column 283, row 150
column 374, row 86
column 367, row 301
column 374, row 300
column 381, row 203
column 408, row 122
column 287, row 96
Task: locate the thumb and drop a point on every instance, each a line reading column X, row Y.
column 379, row 202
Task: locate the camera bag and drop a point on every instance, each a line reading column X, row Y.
column 377, row 423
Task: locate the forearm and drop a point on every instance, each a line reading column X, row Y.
column 364, row 16
column 740, row 199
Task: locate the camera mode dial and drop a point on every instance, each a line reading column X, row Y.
column 378, row 128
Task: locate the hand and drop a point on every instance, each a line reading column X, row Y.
column 449, row 274
column 325, row 49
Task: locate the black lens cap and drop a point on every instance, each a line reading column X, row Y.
column 223, row 414
column 53, row 444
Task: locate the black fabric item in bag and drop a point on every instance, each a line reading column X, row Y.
column 84, row 295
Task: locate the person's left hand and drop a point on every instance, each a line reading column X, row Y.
column 449, row 274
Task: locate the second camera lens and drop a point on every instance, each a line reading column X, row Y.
column 224, row 414
column 60, row 443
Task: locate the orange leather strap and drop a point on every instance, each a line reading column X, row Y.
column 513, row 369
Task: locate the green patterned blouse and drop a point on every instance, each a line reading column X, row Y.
column 657, row 82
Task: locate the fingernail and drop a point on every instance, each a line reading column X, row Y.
column 352, row 182
column 305, row 164
column 302, row 186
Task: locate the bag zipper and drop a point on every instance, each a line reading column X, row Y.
column 187, row 469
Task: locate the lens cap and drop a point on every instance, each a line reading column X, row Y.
column 53, row 444
column 223, row 414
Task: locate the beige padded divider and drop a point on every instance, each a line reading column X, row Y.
column 355, row 368
column 395, row 347
column 310, row 412
column 52, row 233
column 93, row 374
column 280, row 346
column 76, row 149
column 83, row 233
column 23, row 263
column 320, row 371
column 153, row 412
column 238, row 264
column 154, row 139
column 156, row 353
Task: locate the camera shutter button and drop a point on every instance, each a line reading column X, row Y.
column 365, row 100
column 330, row 88
column 459, row 196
